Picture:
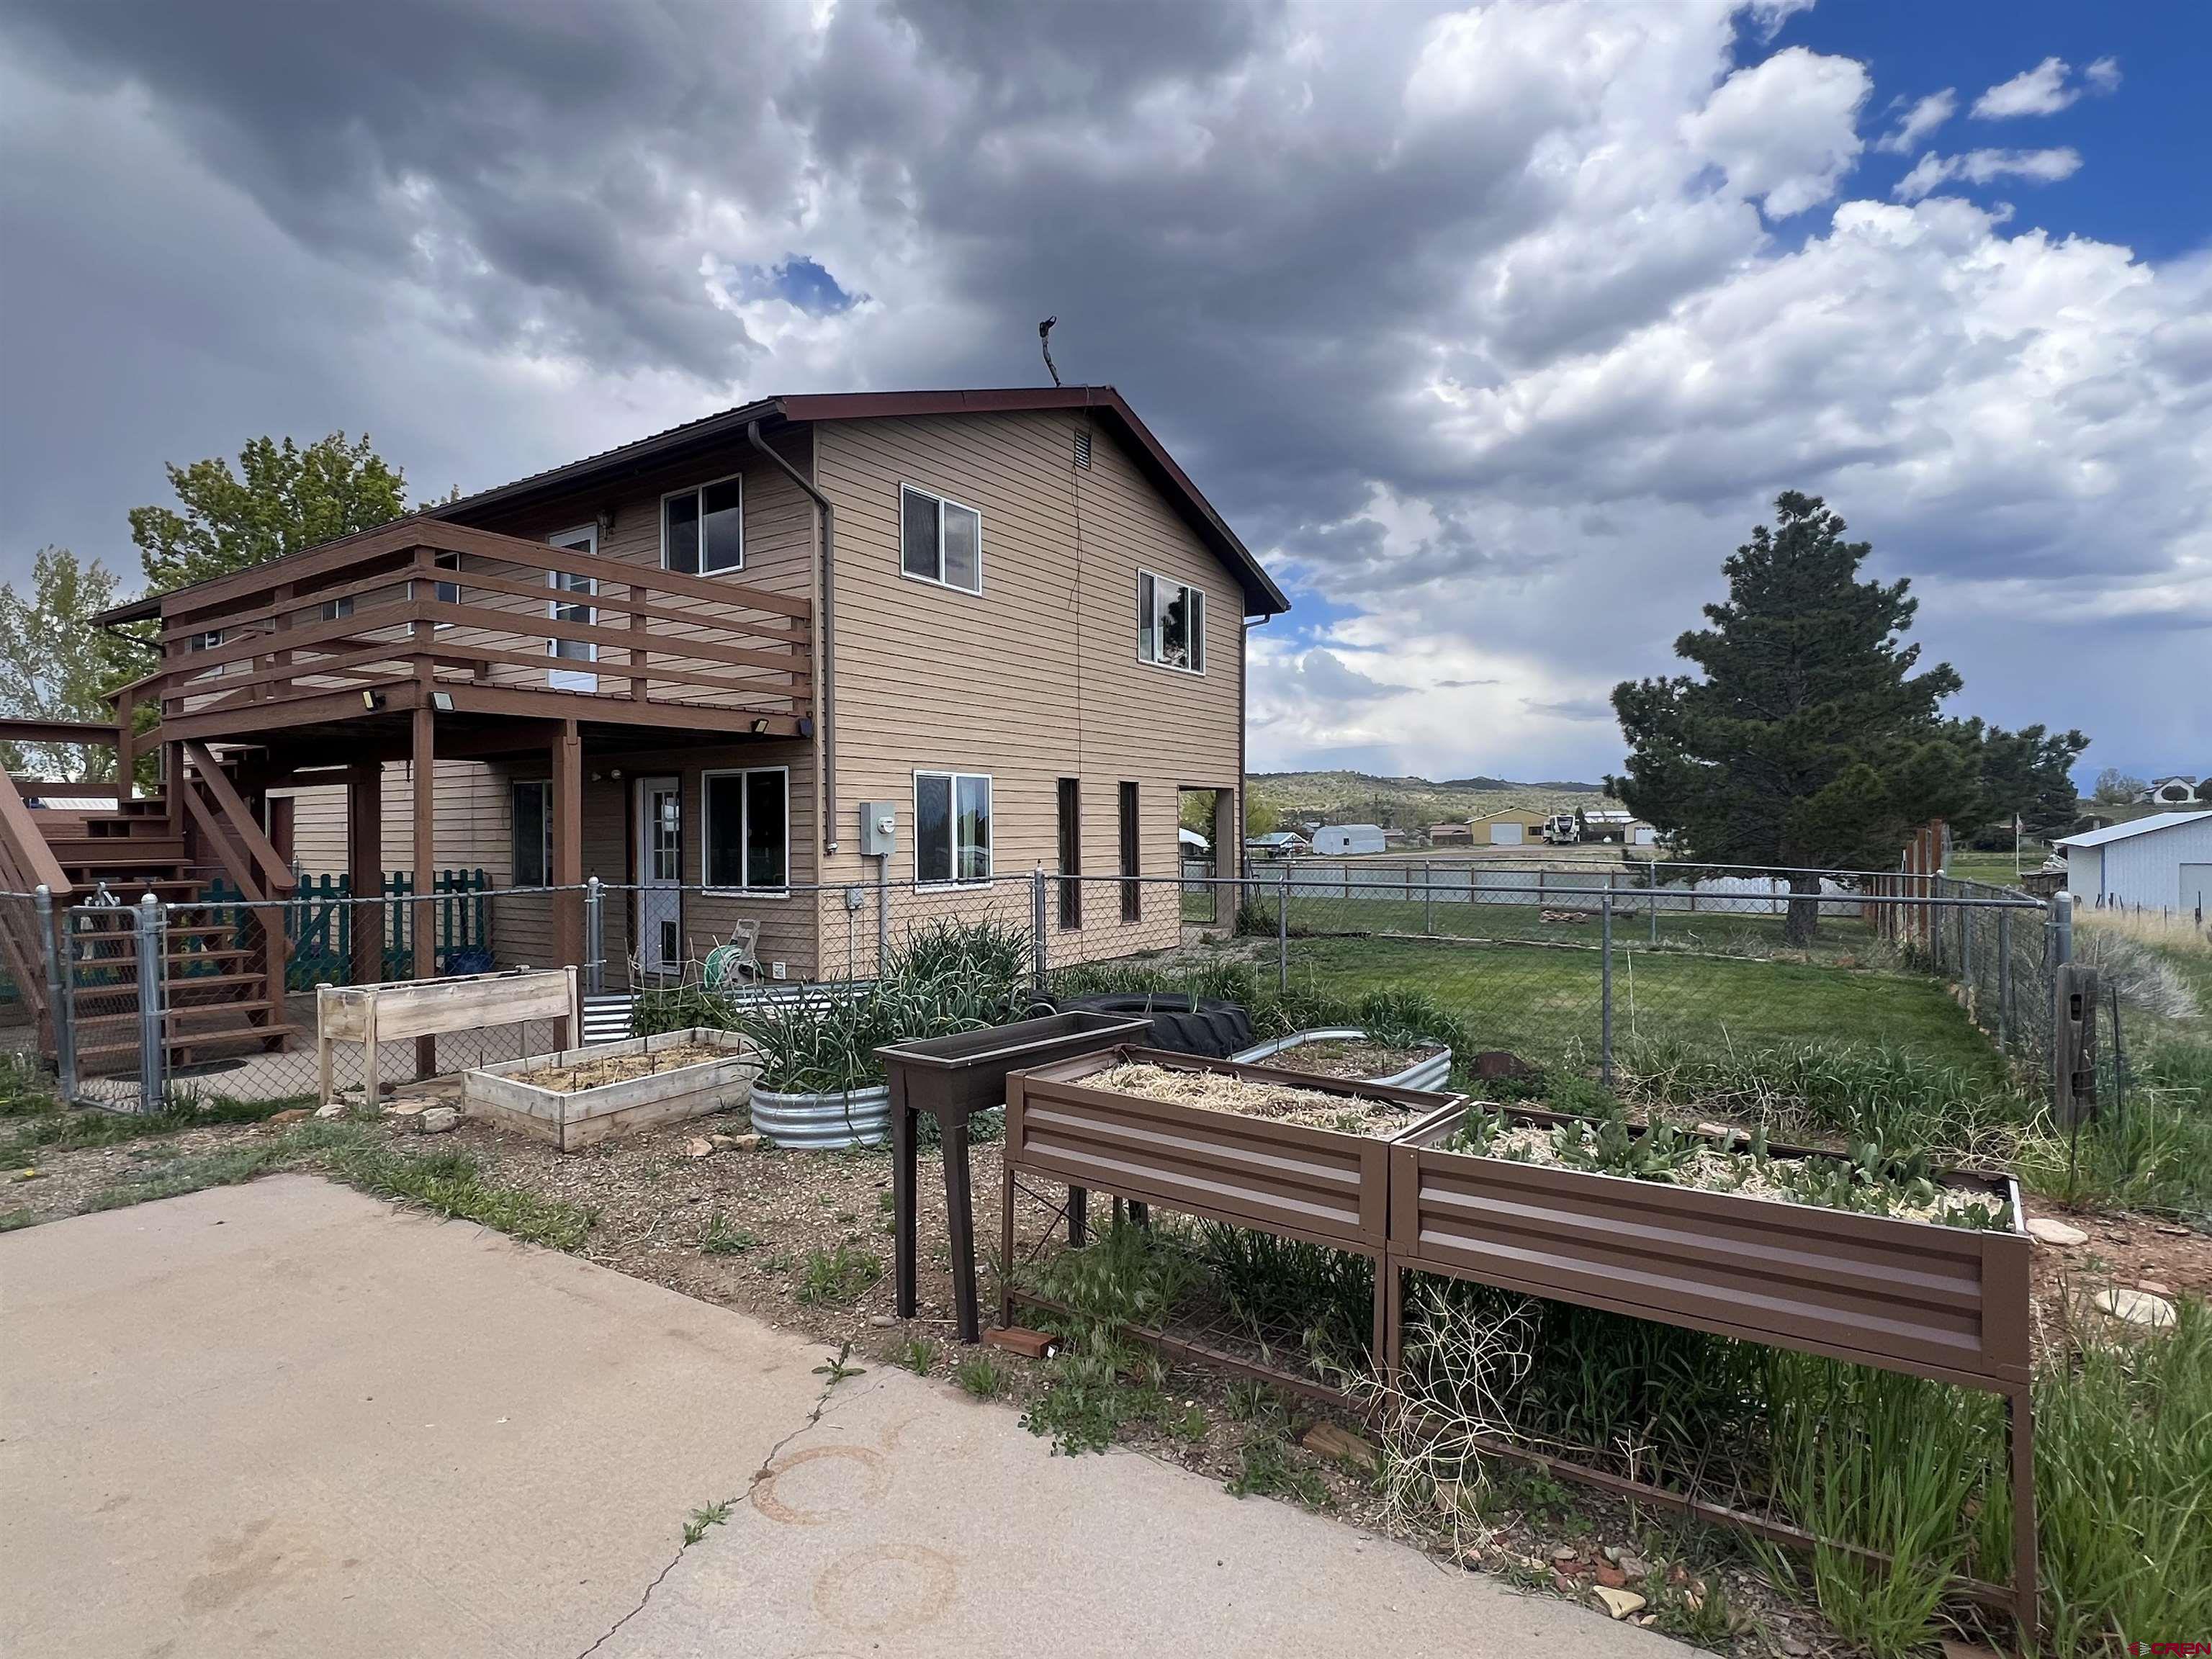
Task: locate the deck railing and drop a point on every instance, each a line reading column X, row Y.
column 496, row 622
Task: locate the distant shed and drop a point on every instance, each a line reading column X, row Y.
column 1346, row 840
column 2163, row 862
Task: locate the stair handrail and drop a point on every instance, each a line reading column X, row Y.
column 34, row 861
column 276, row 869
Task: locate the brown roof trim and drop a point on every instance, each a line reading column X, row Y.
column 1262, row 596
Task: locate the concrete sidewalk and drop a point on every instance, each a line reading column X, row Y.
column 283, row 1418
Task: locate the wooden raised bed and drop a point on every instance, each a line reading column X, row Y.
column 575, row 1118
column 1320, row 1185
column 1917, row 1297
column 370, row 1014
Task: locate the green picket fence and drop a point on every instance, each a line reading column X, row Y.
column 318, row 924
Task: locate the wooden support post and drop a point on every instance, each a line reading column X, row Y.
column 365, row 863
column 568, row 872
column 637, row 647
column 423, row 923
column 126, row 748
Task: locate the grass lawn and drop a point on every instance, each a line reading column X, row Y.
column 1741, row 932
column 1995, row 868
column 1544, row 1002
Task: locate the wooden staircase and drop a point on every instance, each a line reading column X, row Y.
column 224, row 964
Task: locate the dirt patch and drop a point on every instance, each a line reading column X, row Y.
column 2129, row 1251
column 1276, row 1103
column 1353, row 1059
column 621, row 1068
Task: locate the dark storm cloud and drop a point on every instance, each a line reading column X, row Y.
column 1453, row 315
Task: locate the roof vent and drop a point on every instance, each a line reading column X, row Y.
column 1083, row 445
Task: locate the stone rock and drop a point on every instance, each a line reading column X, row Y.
column 746, row 1143
column 1965, row 1650
column 881, row 1322
column 2045, row 1231
column 441, row 1119
column 1617, row 1603
column 336, row 1108
column 722, row 1143
column 2135, row 1307
column 291, row 1115
column 1633, row 1565
column 1340, row 1444
column 1565, row 1552
column 1611, row 1576
column 1450, row 1497
column 698, row 1147
column 1793, row 1648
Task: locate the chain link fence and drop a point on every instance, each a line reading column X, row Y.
column 1549, row 961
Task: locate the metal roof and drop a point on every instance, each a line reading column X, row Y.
column 2133, row 827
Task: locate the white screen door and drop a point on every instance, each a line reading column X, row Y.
column 570, row 609
column 660, row 874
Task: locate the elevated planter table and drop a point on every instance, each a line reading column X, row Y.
column 952, row 1078
column 1921, row 1298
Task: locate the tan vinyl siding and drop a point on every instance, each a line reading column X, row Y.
column 471, row 806
column 1035, row 678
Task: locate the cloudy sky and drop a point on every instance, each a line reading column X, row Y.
column 1491, row 329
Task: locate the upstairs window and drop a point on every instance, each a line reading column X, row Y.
column 940, row 541
column 702, row 530
column 1170, row 624
column 337, row 610
column 952, row 827
column 447, row 592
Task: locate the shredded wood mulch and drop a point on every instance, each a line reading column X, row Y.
column 1276, row 1103
column 1351, row 1058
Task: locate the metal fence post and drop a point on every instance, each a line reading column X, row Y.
column 1037, row 964
column 152, row 1048
column 2004, row 980
column 595, row 936
column 2062, row 952
column 57, row 997
column 2062, row 928
column 1605, row 989
column 1283, row 930
column 1428, row 898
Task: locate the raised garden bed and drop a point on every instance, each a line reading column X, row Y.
column 581, row 1095
column 1322, row 1185
column 824, row 1122
column 1345, row 1051
column 1943, row 1301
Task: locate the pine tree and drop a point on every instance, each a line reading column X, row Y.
column 1808, row 740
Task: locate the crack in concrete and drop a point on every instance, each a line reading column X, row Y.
column 837, row 1374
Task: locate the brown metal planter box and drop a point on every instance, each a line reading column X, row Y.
column 1914, row 1295
column 1917, row 1297
column 1320, row 1185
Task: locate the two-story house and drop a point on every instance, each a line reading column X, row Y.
column 683, row 666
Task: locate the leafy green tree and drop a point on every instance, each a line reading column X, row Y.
column 282, row 498
column 55, row 664
column 1808, row 741
column 2118, row 788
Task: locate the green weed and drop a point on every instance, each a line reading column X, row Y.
column 721, row 1238
column 837, row 1277
column 981, row 1375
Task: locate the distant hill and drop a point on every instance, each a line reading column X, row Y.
column 1408, row 803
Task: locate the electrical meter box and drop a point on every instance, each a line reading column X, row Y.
column 878, row 828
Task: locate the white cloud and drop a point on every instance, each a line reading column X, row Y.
column 1981, row 167
column 1925, row 116
column 1785, row 130
column 2045, row 89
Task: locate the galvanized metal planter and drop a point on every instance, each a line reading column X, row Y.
column 1431, row 1071
column 810, row 1123
column 1321, row 1186
column 1917, row 1297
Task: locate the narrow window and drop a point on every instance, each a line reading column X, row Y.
column 940, row 541
column 447, row 592
column 336, row 610
column 533, row 832
column 702, row 530
column 1170, row 624
column 1133, row 892
column 748, row 827
column 953, row 827
column 1070, row 852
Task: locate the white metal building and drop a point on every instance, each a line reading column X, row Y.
column 1338, row 840
column 2163, row 862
